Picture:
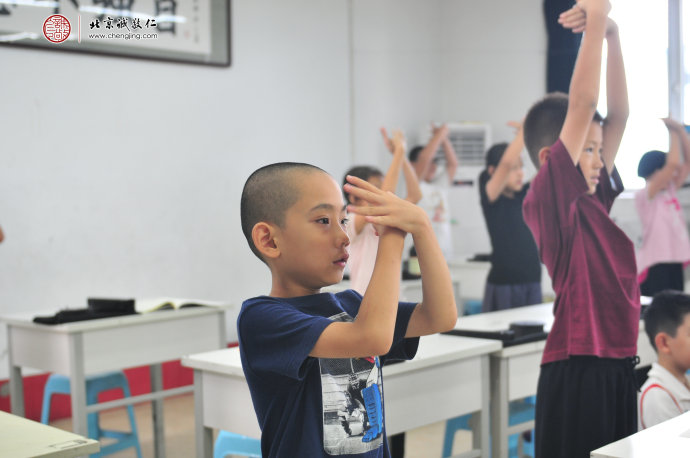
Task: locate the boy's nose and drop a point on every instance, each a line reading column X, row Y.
column 343, row 239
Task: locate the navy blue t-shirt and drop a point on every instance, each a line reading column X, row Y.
column 313, row 407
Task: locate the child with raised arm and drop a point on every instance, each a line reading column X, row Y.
column 309, row 356
column 665, row 244
column 363, row 239
column 515, row 276
column 587, row 392
column 666, row 393
column 434, row 183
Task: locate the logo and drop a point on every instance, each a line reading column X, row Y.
column 56, row 28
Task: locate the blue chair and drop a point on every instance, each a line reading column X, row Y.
column 228, row 443
column 520, row 411
column 473, row 306
column 95, row 384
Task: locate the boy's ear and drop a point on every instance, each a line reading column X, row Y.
column 263, row 237
column 661, row 342
column 543, row 155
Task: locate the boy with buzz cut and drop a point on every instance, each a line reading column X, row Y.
column 313, row 360
column 586, row 394
column 666, row 393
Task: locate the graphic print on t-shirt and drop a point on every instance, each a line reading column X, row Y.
column 352, row 406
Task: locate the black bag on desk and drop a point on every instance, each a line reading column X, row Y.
column 97, row 308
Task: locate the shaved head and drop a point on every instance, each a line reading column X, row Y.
column 268, row 193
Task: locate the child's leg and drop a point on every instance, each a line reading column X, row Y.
column 584, row 403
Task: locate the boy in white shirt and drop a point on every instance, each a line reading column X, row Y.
column 666, row 393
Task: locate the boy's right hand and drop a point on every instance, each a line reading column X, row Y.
column 386, row 211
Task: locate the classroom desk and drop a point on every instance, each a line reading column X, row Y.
column 447, row 378
column 90, row 347
column 670, row 439
column 515, row 369
column 21, row 438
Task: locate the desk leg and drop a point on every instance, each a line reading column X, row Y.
column 157, row 412
column 16, row 382
column 481, row 440
column 204, row 435
column 499, row 407
column 77, row 380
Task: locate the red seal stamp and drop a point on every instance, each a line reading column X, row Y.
column 56, row 28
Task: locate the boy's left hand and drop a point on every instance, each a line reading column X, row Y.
column 386, row 210
column 574, row 19
column 386, row 140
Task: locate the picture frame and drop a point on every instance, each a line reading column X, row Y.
column 183, row 31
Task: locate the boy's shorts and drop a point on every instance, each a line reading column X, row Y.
column 584, row 403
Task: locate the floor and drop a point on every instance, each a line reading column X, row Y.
column 180, row 442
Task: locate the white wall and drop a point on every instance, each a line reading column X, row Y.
column 445, row 61
column 121, row 177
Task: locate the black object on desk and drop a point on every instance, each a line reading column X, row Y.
column 519, row 332
column 97, row 308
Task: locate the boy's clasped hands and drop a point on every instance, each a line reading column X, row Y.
column 386, row 211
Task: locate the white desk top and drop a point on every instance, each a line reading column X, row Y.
column 670, row 439
column 434, row 349
column 500, row 320
column 25, row 320
column 20, row 437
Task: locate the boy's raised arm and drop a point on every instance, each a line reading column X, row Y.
column 414, row 192
column 451, row 158
column 390, row 180
column 584, row 85
column 437, row 312
column 499, row 179
column 617, row 106
column 423, row 162
column 684, row 140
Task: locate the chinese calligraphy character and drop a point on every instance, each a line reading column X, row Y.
column 122, row 22
column 166, row 8
column 96, row 23
column 136, row 23
column 151, row 23
column 108, row 23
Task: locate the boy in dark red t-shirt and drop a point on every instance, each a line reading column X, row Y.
column 586, row 396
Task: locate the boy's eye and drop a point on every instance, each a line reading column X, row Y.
column 323, row 220
column 345, row 221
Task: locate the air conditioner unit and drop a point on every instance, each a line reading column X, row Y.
column 470, row 141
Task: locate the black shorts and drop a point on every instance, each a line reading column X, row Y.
column 584, row 403
column 663, row 276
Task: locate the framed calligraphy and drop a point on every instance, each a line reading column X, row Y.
column 190, row 31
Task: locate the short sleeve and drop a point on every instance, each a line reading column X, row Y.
column 610, row 186
column 555, row 187
column 278, row 338
column 656, row 406
column 483, row 180
column 402, row 348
